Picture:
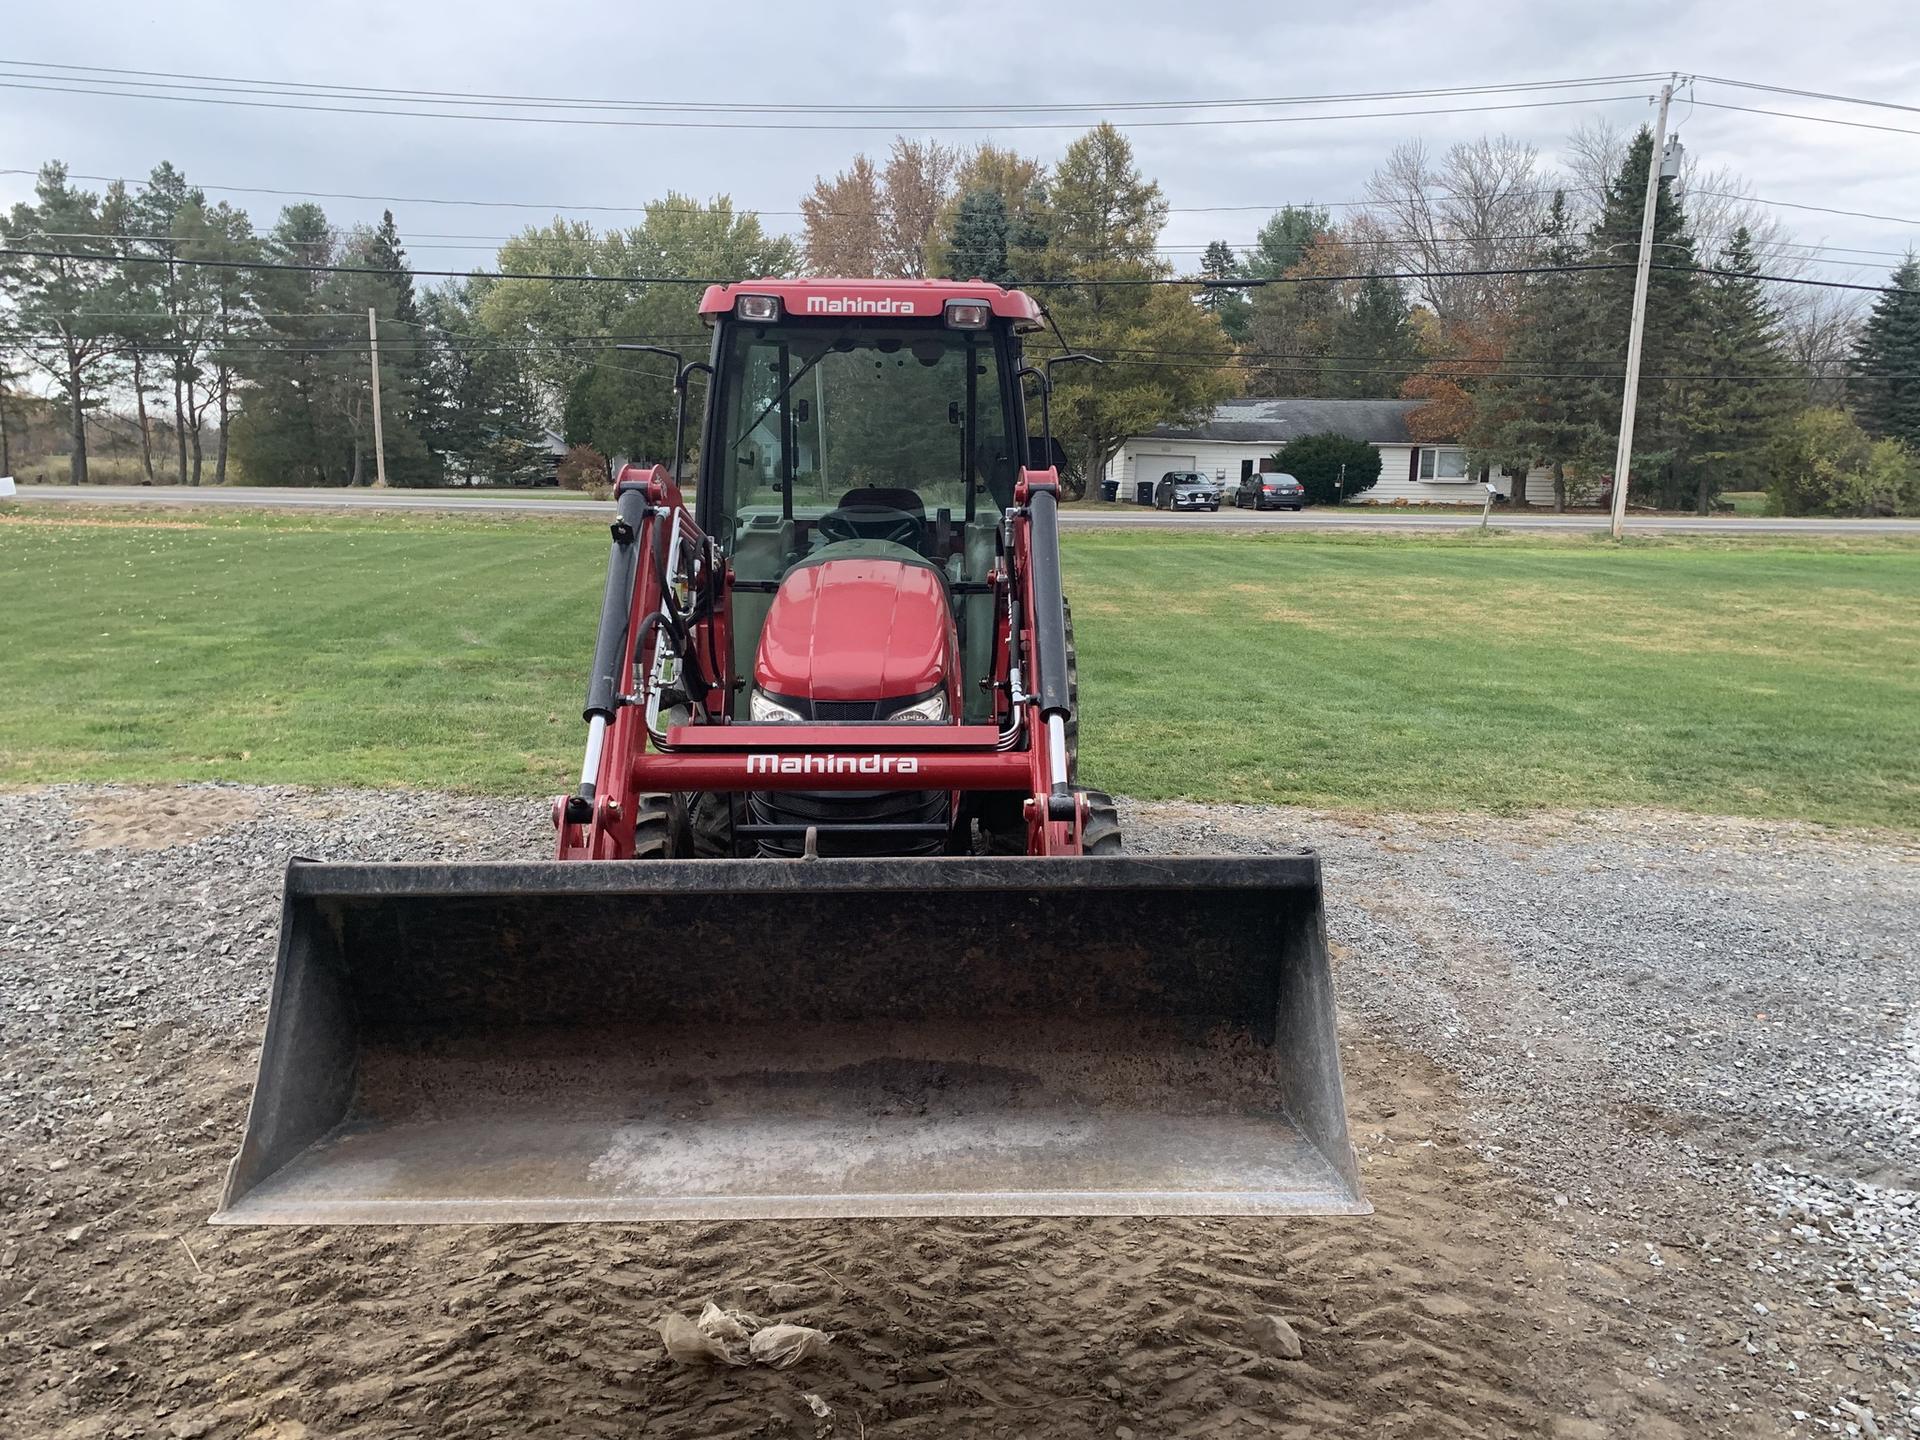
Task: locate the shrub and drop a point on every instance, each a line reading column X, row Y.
column 1315, row 461
column 1822, row 463
column 582, row 467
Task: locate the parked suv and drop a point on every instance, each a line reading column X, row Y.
column 1270, row 491
column 1185, row 490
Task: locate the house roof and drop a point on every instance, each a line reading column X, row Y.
column 1384, row 422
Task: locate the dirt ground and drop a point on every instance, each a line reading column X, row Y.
column 1481, row 1299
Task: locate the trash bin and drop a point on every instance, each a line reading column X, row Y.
column 1143, row 492
column 1109, row 489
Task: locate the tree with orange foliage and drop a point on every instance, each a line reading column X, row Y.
column 1448, row 384
column 881, row 220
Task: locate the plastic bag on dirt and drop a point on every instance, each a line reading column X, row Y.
column 688, row 1344
column 782, row 1346
column 729, row 1327
column 733, row 1337
column 718, row 1337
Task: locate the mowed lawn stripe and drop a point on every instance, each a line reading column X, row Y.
column 1504, row 674
column 1760, row 676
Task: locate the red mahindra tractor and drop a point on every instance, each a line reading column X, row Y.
column 856, row 644
column 832, row 929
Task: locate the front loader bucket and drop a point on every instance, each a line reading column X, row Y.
column 652, row 1040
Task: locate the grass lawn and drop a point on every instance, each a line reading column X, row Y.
column 1749, row 675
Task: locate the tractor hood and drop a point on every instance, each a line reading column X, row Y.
column 866, row 628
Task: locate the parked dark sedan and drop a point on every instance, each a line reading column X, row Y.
column 1186, row 490
column 1270, row 492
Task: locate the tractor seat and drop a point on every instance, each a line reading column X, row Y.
column 890, row 497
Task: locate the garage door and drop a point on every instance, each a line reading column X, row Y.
column 1147, row 470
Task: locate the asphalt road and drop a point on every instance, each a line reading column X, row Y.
column 276, row 498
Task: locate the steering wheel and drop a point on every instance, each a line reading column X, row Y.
column 874, row 522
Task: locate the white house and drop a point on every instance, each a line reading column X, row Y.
column 1242, row 433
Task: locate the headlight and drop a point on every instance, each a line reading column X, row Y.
column 931, row 710
column 762, row 706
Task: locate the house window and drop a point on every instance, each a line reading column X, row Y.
column 1443, row 463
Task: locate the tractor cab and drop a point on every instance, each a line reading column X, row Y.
column 861, row 441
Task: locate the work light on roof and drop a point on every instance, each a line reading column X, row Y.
column 968, row 314
column 761, row 309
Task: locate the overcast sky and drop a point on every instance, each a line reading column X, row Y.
column 985, row 51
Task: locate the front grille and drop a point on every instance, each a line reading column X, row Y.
column 846, row 710
column 853, row 808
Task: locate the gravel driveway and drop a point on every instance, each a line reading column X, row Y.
column 1638, row 1097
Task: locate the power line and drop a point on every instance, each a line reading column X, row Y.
column 1808, row 94
column 1270, row 207
column 1188, row 281
column 1818, row 209
column 601, row 122
column 163, row 79
column 413, row 241
column 1814, row 119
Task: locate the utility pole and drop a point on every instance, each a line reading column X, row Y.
column 1340, row 489
column 1623, row 453
column 373, row 357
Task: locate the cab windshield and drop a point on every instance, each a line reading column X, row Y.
column 843, row 429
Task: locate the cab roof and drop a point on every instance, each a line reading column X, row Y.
column 821, row 298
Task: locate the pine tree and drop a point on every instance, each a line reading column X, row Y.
column 480, row 417
column 385, row 253
column 402, row 375
column 176, row 289
column 1737, row 411
column 1885, row 383
column 139, row 308
column 976, row 246
column 1537, row 410
column 1374, row 342
column 306, row 417
column 1285, row 239
column 62, row 299
column 1664, row 431
column 223, row 317
column 1228, row 303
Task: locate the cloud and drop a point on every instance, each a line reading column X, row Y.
column 994, row 51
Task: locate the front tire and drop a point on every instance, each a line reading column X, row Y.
column 1073, row 691
column 653, row 824
column 1101, row 834
column 705, row 822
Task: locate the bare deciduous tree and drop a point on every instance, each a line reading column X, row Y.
column 1819, row 328
column 1479, row 207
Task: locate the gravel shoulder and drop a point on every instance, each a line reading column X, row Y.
column 1637, row 1097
